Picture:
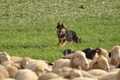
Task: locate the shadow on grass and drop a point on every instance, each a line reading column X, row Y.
column 27, row 46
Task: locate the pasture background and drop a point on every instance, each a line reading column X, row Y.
column 28, row 27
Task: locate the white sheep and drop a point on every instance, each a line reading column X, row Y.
column 102, row 51
column 24, row 62
column 97, row 72
column 84, row 78
column 4, row 57
column 11, row 67
column 47, row 76
column 100, row 62
column 71, row 74
column 115, row 69
column 3, row 73
column 15, row 58
column 38, row 66
column 115, row 55
column 77, row 59
column 59, row 78
column 8, row 79
column 25, row 74
column 74, row 73
column 87, row 75
column 111, row 76
column 64, row 69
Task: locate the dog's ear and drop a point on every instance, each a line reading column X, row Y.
column 58, row 25
column 62, row 25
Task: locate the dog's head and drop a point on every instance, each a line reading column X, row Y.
column 61, row 30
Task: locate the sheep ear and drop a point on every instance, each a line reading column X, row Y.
column 47, row 69
column 94, row 61
column 112, row 50
column 4, row 57
column 70, row 55
column 95, row 56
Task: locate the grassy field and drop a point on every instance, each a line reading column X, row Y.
column 28, row 27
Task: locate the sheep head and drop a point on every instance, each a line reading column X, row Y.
column 78, row 58
column 39, row 70
column 4, row 57
column 101, row 51
column 115, row 54
column 102, row 63
column 25, row 61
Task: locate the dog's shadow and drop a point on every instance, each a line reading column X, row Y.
column 38, row 46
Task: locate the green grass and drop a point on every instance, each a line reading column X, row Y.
column 28, row 27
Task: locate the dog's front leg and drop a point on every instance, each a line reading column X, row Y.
column 59, row 42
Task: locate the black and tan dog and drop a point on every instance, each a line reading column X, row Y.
column 65, row 36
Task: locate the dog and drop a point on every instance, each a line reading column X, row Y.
column 65, row 36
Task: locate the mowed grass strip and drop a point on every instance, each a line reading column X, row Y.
column 28, row 28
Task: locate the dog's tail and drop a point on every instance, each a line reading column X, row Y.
column 77, row 40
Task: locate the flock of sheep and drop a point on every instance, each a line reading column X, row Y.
column 88, row 64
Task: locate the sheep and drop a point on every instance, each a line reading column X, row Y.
column 25, row 74
column 38, row 66
column 115, row 69
column 111, row 76
column 59, row 78
column 8, row 79
column 48, row 76
column 4, row 57
column 97, row 72
column 87, row 75
column 24, row 62
column 76, row 59
column 90, row 53
column 10, row 67
column 15, row 58
column 102, row 51
column 64, row 69
column 3, row 73
column 66, row 52
column 100, row 62
column 115, row 55
column 118, row 66
column 84, row 78
column 71, row 74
